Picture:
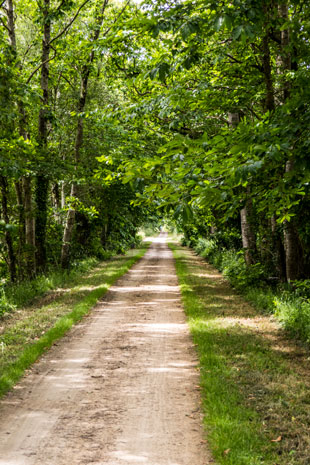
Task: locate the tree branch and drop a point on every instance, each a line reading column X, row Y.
column 60, row 5
column 5, row 25
column 141, row 94
column 70, row 23
column 40, row 66
column 116, row 19
column 67, row 80
column 253, row 112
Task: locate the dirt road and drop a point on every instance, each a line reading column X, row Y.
column 120, row 388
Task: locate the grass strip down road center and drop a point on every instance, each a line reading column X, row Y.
column 16, row 365
column 254, row 381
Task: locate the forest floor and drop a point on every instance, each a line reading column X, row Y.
column 120, row 388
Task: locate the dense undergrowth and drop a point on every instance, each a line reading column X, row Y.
column 290, row 303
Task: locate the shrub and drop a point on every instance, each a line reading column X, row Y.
column 289, row 303
column 231, row 263
column 294, row 314
column 205, row 247
column 5, row 305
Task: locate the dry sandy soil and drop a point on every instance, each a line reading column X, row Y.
column 120, row 388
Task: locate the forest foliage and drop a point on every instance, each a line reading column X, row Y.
column 116, row 113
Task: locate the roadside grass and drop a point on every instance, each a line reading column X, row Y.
column 255, row 382
column 21, row 294
column 290, row 303
column 29, row 332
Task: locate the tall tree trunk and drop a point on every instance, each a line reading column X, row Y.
column 7, row 233
column 269, row 98
column 292, row 246
column 56, row 197
column 269, row 103
column 285, row 60
column 291, row 238
column 278, row 249
column 293, row 261
column 247, row 234
column 41, row 193
column 23, row 187
column 11, row 24
column 70, row 222
column 29, row 228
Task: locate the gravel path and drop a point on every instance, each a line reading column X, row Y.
column 120, row 388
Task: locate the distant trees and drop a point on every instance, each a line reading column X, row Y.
column 198, row 110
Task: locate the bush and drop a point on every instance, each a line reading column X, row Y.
column 302, row 288
column 290, row 303
column 262, row 298
column 294, row 314
column 5, row 305
column 231, row 263
column 239, row 274
column 205, row 247
column 20, row 294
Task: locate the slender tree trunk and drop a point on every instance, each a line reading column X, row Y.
column 278, row 249
column 23, row 187
column 56, row 196
column 70, row 222
column 269, row 104
column 11, row 24
column 269, row 99
column 42, row 183
column 276, row 239
column 7, row 233
column 62, row 195
column 247, row 234
column 68, row 231
column 292, row 246
column 285, row 60
column 29, row 228
column 291, row 239
column 21, row 222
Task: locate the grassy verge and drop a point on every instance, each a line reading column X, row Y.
column 21, row 294
column 254, row 382
column 25, row 337
column 289, row 303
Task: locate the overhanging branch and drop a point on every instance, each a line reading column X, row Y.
column 70, row 23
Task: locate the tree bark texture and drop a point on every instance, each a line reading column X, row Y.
column 278, row 249
column 23, row 187
column 292, row 245
column 269, row 99
column 291, row 238
column 42, row 178
column 248, row 236
column 285, row 60
column 29, row 228
column 7, row 233
column 11, row 24
column 21, row 218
